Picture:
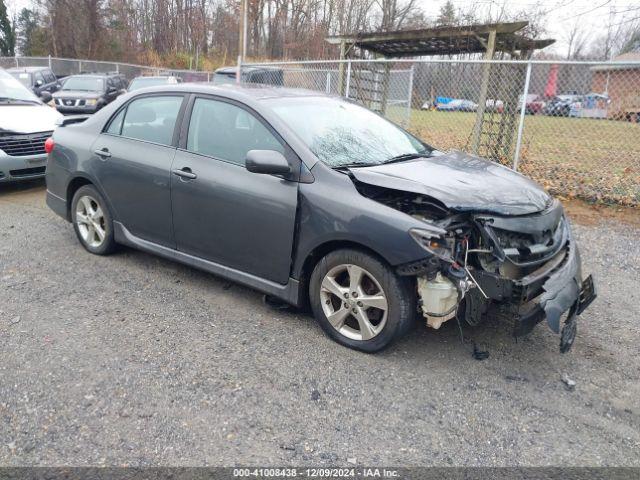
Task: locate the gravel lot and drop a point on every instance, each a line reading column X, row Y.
column 134, row 360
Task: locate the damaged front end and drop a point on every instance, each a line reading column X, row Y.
column 522, row 267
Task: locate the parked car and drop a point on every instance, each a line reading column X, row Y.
column 265, row 75
column 457, row 105
column 592, row 105
column 36, row 79
column 493, row 105
column 88, row 93
column 143, row 82
column 316, row 200
column 534, row 104
column 25, row 124
column 560, row 106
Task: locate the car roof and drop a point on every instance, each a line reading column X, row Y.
column 157, row 77
column 27, row 69
column 242, row 92
column 233, row 70
column 91, row 75
column 97, row 74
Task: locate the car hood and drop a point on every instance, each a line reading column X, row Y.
column 461, row 182
column 75, row 94
column 28, row 118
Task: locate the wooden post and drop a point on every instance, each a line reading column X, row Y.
column 484, row 88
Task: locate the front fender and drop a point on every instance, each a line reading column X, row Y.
column 331, row 209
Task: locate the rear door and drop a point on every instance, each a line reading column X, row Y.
column 221, row 211
column 134, row 156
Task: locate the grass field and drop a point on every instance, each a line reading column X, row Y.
column 596, row 160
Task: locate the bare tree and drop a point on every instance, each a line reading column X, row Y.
column 576, row 39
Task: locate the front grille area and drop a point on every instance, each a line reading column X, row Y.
column 70, row 102
column 22, row 145
column 523, row 247
column 27, row 172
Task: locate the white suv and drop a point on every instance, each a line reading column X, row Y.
column 25, row 124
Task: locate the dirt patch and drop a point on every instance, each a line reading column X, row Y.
column 585, row 213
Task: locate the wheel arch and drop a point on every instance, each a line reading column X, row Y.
column 75, row 184
column 304, row 271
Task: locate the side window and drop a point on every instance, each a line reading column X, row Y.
column 38, row 78
column 226, row 131
column 49, row 76
column 115, row 127
column 152, row 119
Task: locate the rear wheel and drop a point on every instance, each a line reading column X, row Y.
column 359, row 301
column 92, row 221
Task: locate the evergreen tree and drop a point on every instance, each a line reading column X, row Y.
column 447, row 15
column 7, row 35
column 29, row 35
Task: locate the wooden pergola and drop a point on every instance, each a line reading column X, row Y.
column 480, row 38
column 487, row 39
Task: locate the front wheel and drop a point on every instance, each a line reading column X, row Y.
column 359, row 301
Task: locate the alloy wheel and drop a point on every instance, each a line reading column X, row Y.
column 91, row 222
column 354, row 302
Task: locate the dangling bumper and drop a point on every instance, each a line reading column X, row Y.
column 548, row 293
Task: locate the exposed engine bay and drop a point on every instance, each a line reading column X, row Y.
column 521, row 267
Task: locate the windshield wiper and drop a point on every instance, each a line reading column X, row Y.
column 355, row 164
column 397, row 158
column 407, row 156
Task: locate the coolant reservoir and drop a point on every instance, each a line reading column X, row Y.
column 439, row 296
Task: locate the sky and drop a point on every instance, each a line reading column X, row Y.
column 563, row 14
column 592, row 15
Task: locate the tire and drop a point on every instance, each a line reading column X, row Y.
column 92, row 221
column 394, row 311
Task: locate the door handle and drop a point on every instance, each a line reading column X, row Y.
column 104, row 153
column 185, row 173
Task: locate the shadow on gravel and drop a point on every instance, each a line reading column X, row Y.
column 436, row 347
column 23, row 186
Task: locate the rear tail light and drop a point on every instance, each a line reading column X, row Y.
column 48, row 145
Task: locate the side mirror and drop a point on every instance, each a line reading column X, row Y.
column 38, row 83
column 111, row 90
column 45, row 96
column 267, row 161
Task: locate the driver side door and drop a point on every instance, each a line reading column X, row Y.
column 221, row 211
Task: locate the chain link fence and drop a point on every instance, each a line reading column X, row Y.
column 63, row 67
column 572, row 126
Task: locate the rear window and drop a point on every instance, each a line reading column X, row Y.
column 23, row 77
column 224, row 78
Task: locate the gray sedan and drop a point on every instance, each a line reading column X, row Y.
column 317, row 201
